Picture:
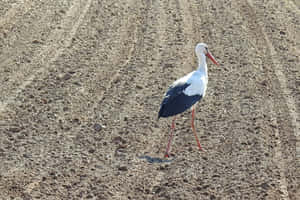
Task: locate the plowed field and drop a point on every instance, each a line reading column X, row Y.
column 81, row 83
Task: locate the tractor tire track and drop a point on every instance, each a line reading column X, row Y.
column 119, row 59
column 22, row 40
column 17, row 9
column 278, row 159
column 58, row 40
column 287, row 95
column 117, row 98
column 151, row 37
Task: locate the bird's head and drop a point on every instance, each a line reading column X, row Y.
column 202, row 49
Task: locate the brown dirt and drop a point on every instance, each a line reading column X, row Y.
column 82, row 81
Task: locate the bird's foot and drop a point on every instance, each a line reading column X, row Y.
column 167, row 155
column 201, row 149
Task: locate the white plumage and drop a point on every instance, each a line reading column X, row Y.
column 187, row 91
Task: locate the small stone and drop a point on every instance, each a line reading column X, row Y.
column 122, row 168
column 25, row 155
column 21, row 137
column 76, row 120
column 205, row 158
column 264, row 83
column 168, row 65
column 118, row 140
column 76, row 83
column 282, row 33
column 139, row 87
column 91, row 150
column 198, row 188
column 97, row 127
column 37, row 42
column 14, row 129
column 67, row 76
column 44, row 101
column 265, row 186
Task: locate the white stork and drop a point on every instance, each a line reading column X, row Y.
column 185, row 92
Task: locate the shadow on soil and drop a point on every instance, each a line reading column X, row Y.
column 155, row 160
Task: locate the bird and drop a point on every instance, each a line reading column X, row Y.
column 185, row 92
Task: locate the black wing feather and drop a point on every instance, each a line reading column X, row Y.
column 175, row 101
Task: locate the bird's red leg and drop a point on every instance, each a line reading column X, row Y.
column 193, row 127
column 170, row 138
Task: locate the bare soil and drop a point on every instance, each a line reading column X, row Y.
column 81, row 83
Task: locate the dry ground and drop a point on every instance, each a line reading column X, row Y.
column 82, row 80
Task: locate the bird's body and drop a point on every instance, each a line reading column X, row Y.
column 187, row 91
column 184, row 93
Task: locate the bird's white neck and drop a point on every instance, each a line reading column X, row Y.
column 202, row 66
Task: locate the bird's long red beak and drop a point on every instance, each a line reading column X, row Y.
column 212, row 58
